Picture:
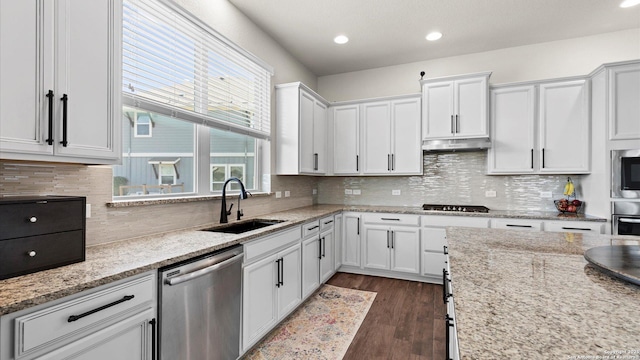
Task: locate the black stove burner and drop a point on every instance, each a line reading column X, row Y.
column 462, row 208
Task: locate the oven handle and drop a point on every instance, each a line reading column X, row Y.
column 192, row 275
column 629, row 220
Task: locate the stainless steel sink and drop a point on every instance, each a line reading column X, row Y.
column 243, row 226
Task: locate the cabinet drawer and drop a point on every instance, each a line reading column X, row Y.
column 574, row 226
column 310, row 228
column 35, row 253
column 272, row 243
column 462, row 221
column 326, row 223
column 40, row 217
column 44, row 327
column 391, row 219
column 517, row 224
column 433, row 239
column 432, row 264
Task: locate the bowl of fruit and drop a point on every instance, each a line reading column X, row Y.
column 569, row 205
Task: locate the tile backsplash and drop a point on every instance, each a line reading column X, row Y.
column 449, row 178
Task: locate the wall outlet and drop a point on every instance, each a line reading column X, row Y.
column 396, row 192
column 315, row 192
column 348, row 191
column 490, row 193
column 546, row 194
column 88, row 211
column 287, row 193
column 356, row 192
column 278, row 194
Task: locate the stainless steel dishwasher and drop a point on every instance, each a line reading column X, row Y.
column 200, row 303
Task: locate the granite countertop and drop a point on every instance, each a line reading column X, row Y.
column 532, row 295
column 114, row 261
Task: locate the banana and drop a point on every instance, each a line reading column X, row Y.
column 569, row 189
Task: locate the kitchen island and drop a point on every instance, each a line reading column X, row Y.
column 532, row 295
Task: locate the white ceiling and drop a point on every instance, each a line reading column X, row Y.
column 389, row 32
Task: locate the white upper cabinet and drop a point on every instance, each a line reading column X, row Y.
column 624, row 102
column 512, row 130
column 565, row 135
column 455, row 107
column 301, row 134
column 346, row 139
column 61, row 80
column 391, row 140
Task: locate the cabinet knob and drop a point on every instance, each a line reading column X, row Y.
column 33, row 219
column 32, row 253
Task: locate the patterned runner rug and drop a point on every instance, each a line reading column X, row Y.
column 322, row 328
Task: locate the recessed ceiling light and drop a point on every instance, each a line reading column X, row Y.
column 341, row 39
column 629, row 3
column 434, row 36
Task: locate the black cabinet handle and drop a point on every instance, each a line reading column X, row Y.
column 520, row 226
column 320, row 248
column 358, row 232
column 457, row 123
column 387, row 239
column 153, row 338
column 452, row 129
column 65, row 100
column 449, row 324
column 77, row 317
column 543, row 158
column 388, row 162
column 393, row 239
column 328, row 222
column 50, row 97
column 278, row 269
column 324, row 247
column 532, row 158
column 390, row 219
column 315, row 161
column 393, row 162
column 281, row 271
column 574, row 228
column 313, row 227
column 357, row 163
column 446, row 250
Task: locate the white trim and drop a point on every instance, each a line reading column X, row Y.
column 232, row 154
column 136, row 123
column 158, row 155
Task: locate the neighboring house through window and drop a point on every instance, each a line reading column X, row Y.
column 221, row 172
column 143, row 125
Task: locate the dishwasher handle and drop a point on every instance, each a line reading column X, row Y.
column 192, row 275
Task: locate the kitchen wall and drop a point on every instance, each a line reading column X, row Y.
column 449, row 178
column 563, row 58
column 94, row 182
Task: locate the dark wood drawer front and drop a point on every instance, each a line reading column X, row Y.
column 45, row 217
column 26, row 255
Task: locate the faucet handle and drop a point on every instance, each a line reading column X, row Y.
column 229, row 211
column 240, row 214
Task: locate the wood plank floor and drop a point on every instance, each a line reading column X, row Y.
column 406, row 320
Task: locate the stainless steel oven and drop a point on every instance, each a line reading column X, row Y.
column 625, row 174
column 626, row 218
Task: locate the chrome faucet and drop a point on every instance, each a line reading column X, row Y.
column 243, row 195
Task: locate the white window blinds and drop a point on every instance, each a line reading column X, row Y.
column 175, row 65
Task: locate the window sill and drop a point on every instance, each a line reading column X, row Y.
column 175, row 200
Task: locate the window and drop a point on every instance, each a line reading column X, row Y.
column 183, row 81
column 142, row 125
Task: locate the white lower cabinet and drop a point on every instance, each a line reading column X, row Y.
column 327, row 264
column 434, row 258
column 574, row 226
column 392, row 248
column 270, row 291
column 310, row 265
column 337, row 242
column 351, row 239
column 115, row 321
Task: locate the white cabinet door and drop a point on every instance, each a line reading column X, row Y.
column 320, row 137
column 433, row 263
column 307, row 154
column 434, row 239
column 377, row 243
column 337, row 237
column 259, row 312
column 376, row 123
column 124, row 340
column 471, row 107
column 565, row 134
column 351, row 240
column 405, row 250
column 310, row 265
column 438, row 113
column 327, row 264
column 61, row 80
column 89, row 78
column 512, row 130
column 346, row 139
column 624, row 106
column 27, row 73
column 407, row 152
column 289, row 293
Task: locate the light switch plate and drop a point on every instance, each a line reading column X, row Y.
column 490, row 193
column 348, row 191
column 315, row 191
column 546, row 194
column 287, row 193
column 396, row 192
column 278, row 194
column 356, row 192
column 88, row 211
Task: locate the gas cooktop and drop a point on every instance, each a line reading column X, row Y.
column 461, row 208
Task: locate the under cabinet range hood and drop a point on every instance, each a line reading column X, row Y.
column 456, row 144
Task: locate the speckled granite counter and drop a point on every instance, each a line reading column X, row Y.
column 531, row 295
column 110, row 262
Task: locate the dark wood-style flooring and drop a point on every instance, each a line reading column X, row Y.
column 406, row 320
